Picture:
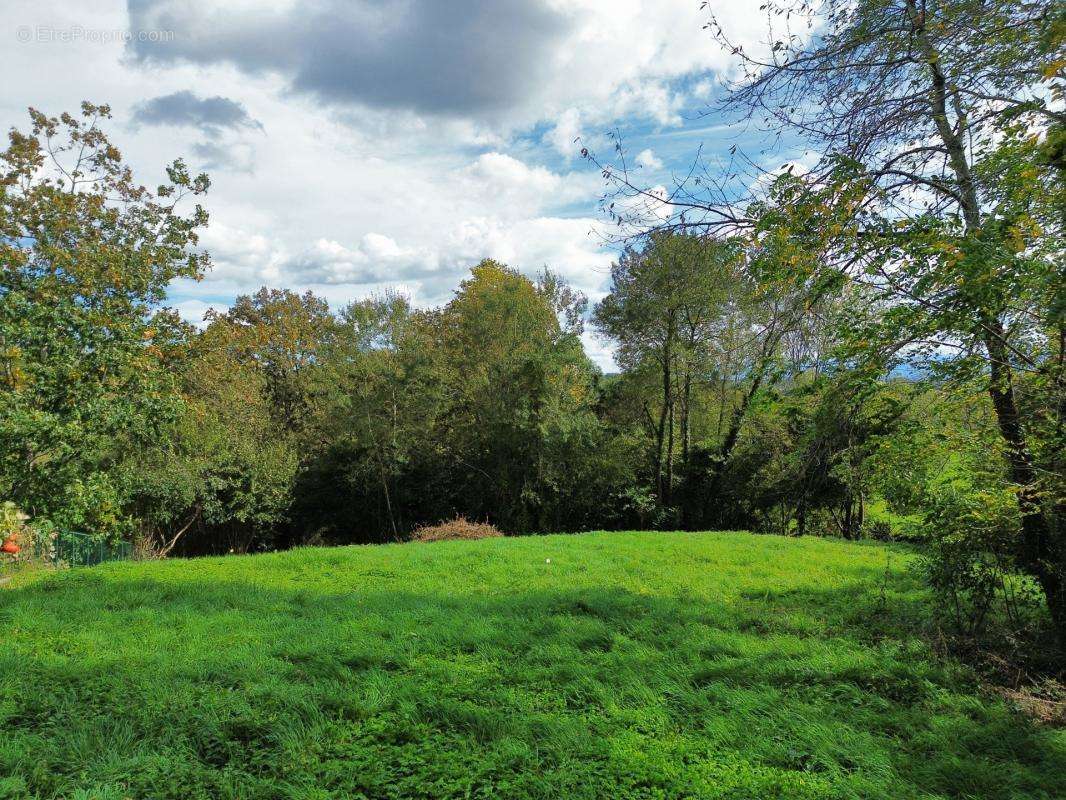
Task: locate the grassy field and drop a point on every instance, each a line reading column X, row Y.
column 632, row 665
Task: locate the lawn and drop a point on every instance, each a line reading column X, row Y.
column 650, row 665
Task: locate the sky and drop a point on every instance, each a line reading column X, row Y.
column 359, row 145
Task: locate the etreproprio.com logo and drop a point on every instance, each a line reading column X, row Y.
column 76, row 33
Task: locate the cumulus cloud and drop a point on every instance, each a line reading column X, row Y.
column 647, row 159
column 567, row 245
column 462, row 57
column 209, row 114
column 512, row 187
column 359, row 144
column 566, row 133
column 241, row 256
column 376, row 258
column 507, row 62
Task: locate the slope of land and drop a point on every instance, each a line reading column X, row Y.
column 634, row 665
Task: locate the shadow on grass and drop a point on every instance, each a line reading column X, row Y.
column 192, row 688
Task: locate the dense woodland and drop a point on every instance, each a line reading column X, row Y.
column 870, row 347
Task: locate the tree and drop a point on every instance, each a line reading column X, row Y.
column 939, row 108
column 485, row 407
column 221, row 477
column 85, row 258
column 666, row 304
column 939, row 187
column 686, row 305
column 381, row 397
column 522, row 394
column 224, row 476
column 282, row 333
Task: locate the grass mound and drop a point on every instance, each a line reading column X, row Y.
column 458, row 528
column 642, row 665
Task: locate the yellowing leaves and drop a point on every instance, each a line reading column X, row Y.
column 1053, row 68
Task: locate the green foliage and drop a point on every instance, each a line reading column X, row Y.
column 940, row 197
column 808, row 455
column 756, row 388
column 880, row 530
column 222, row 479
column 633, row 665
column 688, row 319
column 969, row 562
column 521, row 400
column 301, row 426
column 12, row 520
column 85, row 258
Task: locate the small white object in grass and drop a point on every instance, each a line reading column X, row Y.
column 547, row 561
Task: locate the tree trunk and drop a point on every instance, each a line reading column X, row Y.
column 660, row 434
column 730, row 441
column 1039, row 554
column 741, row 411
column 685, row 431
column 1042, row 552
column 846, row 527
column 723, row 390
column 667, row 497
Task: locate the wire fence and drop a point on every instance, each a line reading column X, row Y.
column 74, row 549
column 71, row 549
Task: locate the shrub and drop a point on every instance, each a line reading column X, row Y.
column 879, row 530
column 11, row 520
column 36, row 540
column 968, row 560
column 458, row 528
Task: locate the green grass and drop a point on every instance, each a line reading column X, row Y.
column 643, row 665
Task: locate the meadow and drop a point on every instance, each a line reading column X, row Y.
column 621, row 665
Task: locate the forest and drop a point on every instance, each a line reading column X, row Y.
column 872, row 347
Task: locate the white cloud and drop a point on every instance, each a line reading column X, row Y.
column 343, row 193
column 566, row 133
column 599, row 351
column 195, row 311
column 647, row 159
column 651, row 206
column 509, row 187
column 375, row 258
column 797, row 166
column 241, row 256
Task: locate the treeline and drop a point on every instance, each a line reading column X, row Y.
column 300, row 426
column 283, row 423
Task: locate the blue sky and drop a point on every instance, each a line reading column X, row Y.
column 356, row 145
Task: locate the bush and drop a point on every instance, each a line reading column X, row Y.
column 458, row 528
column 11, row 520
column 36, row 540
column 879, row 530
column 970, row 539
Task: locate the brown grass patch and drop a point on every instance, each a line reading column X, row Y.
column 458, row 528
column 1048, row 710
